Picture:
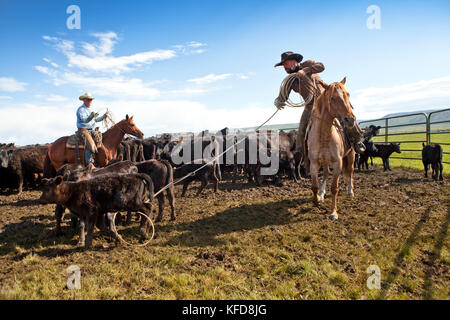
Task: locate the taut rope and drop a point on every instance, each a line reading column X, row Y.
column 280, row 102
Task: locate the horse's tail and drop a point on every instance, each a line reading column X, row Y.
column 49, row 170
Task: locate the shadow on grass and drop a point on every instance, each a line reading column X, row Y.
column 32, row 233
column 404, row 252
column 436, row 254
column 22, row 203
column 204, row 232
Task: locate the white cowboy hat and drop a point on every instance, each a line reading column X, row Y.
column 86, row 96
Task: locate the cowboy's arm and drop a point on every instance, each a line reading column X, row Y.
column 310, row 66
column 84, row 116
column 100, row 118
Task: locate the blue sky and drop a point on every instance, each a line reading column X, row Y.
column 192, row 65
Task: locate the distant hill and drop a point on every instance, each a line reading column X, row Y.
column 420, row 111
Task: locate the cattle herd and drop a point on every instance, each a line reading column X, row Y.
column 142, row 168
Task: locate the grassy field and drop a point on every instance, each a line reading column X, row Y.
column 246, row 243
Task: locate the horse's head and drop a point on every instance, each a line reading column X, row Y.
column 128, row 126
column 337, row 99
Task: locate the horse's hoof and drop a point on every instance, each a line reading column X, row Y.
column 333, row 216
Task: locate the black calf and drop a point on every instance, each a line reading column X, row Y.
column 432, row 154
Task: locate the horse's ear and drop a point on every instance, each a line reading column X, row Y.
column 126, row 117
column 131, row 118
column 344, row 80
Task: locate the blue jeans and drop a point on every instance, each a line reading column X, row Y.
column 88, row 156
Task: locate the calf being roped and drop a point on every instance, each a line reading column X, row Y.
column 432, row 154
column 91, row 198
column 76, row 172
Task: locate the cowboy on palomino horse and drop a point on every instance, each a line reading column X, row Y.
column 308, row 70
column 85, row 123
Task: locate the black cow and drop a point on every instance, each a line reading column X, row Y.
column 385, row 151
column 432, row 154
column 76, row 172
column 25, row 162
column 363, row 158
column 161, row 173
column 204, row 175
column 89, row 199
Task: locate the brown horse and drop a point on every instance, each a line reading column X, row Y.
column 326, row 144
column 58, row 154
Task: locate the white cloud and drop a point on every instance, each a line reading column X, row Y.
column 152, row 117
column 196, row 44
column 46, row 70
column 6, row 97
column 97, row 55
column 192, row 47
column 56, row 98
column 373, row 103
column 210, row 78
column 11, row 84
column 53, row 64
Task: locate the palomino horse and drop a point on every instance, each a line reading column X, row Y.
column 326, row 145
column 58, row 154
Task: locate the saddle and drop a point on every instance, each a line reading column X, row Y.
column 77, row 140
column 340, row 130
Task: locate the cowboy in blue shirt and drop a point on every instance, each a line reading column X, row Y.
column 86, row 120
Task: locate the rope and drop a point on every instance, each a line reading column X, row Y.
column 211, row 161
column 286, row 87
column 280, row 102
column 283, row 99
column 119, row 237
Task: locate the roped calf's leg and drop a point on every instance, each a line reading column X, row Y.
column 81, row 226
column 59, row 214
column 91, row 219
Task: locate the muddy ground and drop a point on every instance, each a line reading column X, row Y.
column 246, row 242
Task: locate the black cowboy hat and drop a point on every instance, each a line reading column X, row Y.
column 288, row 56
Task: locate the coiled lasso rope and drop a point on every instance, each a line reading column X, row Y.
column 286, row 87
column 119, row 237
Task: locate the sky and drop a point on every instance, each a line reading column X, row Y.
column 181, row 66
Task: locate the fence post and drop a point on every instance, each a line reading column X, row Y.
column 429, row 128
column 386, row 131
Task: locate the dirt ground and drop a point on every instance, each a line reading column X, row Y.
column 246, row 242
